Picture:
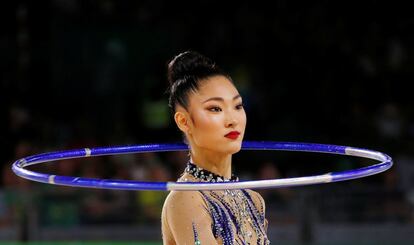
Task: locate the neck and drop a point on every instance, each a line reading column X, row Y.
column 214, row 162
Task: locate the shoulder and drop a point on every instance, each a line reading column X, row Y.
column 180, row 202
column 179, row 197
column 257, row 200
column 185, row 218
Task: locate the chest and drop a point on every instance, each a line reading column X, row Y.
column 236, row 218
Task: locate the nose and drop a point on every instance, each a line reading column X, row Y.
column 231, row 120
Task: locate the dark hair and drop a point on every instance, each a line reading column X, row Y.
column 185, row 71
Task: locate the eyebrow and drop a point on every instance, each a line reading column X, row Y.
column 221, row 99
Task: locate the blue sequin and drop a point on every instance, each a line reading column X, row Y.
column 235, row 217
column 227, row 225
column 196, row 240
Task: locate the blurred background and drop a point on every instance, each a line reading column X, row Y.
column 77, row 74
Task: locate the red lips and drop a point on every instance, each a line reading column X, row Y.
column 233, row 134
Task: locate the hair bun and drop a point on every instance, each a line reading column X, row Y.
column 189, row 63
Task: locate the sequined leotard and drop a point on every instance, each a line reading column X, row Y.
column 224, row 217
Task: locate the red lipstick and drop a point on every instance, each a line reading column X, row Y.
column 233, row 135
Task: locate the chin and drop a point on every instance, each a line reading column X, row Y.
column 234, row 152
column 233, row 148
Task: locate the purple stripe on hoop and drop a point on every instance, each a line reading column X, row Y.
column 293, row 146
column 18, row 167
column 109, row 184
column 100, row 151
column 361, row 172
column 45, row 157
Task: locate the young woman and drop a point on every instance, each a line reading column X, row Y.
column 208, row 109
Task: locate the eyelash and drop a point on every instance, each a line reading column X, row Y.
column 239, row 106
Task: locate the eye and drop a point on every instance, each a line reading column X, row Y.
column 239, row 106
column 214, row 109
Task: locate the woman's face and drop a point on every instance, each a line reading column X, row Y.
column 215, row 110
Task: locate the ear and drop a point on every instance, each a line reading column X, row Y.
column 182, row 121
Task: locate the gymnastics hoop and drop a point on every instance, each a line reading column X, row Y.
column 19, row 167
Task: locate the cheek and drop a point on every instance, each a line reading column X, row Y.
column 244, row 119
column 206, row 123
column 207, row 128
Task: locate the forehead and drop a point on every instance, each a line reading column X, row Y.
column 217, row 86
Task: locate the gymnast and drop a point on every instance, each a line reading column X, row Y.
column 208, row 109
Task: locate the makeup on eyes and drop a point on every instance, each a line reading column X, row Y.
column 215, row 107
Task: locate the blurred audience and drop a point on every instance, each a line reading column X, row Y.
column 280, row 205
column 96, row 84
